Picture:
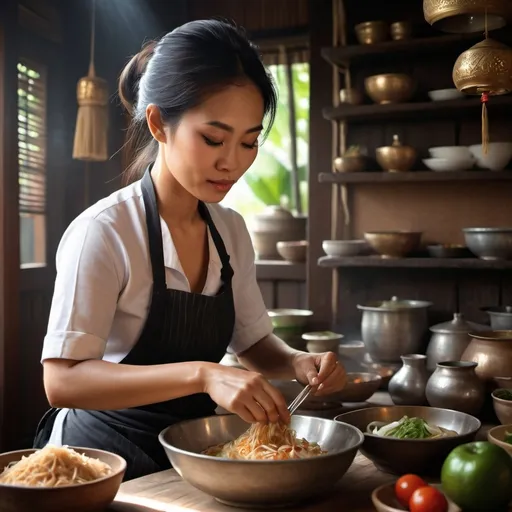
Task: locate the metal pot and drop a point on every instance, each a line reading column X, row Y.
column 492, row 350
column 501, row 317
column 393, row 328
column 449, row 340
column 455, row 385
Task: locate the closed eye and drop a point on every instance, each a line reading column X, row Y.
column 251, row 146
column 211, row 142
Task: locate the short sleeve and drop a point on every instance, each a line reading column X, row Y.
column 86, row 291
column 252, row 322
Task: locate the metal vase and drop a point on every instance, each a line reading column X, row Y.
column 455, row 385
column 407, row 386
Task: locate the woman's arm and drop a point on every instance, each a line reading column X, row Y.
column 101, row 385
column 272, row 357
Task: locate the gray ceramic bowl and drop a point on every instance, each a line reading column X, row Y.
column 418, row 456
column 248, row 483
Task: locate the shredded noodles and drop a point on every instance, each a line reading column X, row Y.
column 54, row 466
column 272, row 441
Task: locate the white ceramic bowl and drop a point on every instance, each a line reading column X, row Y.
column 445, row 94
column 323, row 341
column 451, row 152
column 343, row 248
column 448, row 164
column 497, row 157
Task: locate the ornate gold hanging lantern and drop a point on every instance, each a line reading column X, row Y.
column 486, row 70
column 467, row 16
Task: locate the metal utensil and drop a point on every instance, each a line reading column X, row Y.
column 300, row 399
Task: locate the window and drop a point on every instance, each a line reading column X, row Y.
column 32, row 162
column 268, row 181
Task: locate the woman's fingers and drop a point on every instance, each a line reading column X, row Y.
column 279, row 402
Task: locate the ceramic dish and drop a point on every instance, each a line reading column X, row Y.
column 384, row 500
column 496, row 436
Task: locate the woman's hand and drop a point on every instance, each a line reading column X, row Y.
column 321, row 370
column 246, row 394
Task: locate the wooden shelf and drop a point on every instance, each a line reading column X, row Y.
column 412, row 176
column 342, row 54
column 273, row 270
column 434, row 263
column 428, row 109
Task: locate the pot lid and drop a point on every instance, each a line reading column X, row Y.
column 457, row 325
column 395, row 304
column 499, row 310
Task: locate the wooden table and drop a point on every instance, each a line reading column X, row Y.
column 167, row 492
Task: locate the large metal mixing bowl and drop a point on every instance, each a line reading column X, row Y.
column 259, row 484
column 419, row 456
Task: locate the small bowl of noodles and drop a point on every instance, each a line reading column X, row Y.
column 59, row 479
column 261, row 465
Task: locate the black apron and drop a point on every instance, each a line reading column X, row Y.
column 180, row 327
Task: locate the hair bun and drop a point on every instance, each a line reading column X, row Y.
column 131, row 75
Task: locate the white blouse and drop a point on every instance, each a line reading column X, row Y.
column 104, row 280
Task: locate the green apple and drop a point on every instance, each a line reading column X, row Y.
column 478, row 477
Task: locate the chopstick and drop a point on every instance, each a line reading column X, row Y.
column 300, row 399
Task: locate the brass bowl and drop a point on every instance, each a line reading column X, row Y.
column 349, row 163
column 371, row 32
column 467, row 16
column 390, row 88
column 396, row 158
column 394, row 244
column 401, row 30
column 351, row 96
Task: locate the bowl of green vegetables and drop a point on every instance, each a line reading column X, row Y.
column 411, row 439
column 502, row 402
column 501, row 436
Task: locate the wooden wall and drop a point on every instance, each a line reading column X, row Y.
column 256, row 16
column 282, row 284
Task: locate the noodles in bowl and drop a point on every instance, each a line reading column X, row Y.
column 54, row 466
column 272, row 441
column 53, row 478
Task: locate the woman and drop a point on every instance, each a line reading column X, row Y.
column 153, row 286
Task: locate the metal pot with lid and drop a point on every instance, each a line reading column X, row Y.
column 501, row 317
column 392, row 328
column 449, row 340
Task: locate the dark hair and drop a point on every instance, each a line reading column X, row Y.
column 179, row 71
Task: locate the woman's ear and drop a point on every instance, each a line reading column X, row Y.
column 155, row 124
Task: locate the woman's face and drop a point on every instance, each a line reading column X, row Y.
column 215, row 143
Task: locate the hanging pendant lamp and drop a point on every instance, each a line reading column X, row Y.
column 91, row 133
column 467, row 16
column 485, row 70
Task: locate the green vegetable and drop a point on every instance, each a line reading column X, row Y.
column 410, row 428
column 508, row 437
column 504, row 394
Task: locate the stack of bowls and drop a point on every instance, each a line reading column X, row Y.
column 449, row 158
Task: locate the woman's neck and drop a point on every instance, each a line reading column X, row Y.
column 175, row 204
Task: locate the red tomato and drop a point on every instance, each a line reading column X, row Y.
column 428, row 499
column 405, row 486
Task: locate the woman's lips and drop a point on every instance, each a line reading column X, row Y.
column 222, row 185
